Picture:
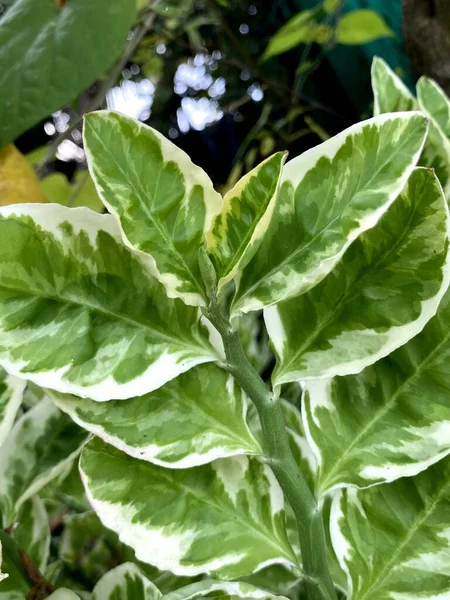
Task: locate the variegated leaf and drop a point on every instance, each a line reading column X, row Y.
column 32, row 532
column 37, row 449
column 225, row 518
column 278, row 580
column 434, row 104
column 164, row 203
column 63, row 594
column 390, row 421
column 88, row 548
column 194, row 419
column 329, row 196
column 237, row 231
column 2, row 575
column 389, row 91
column 11, row 395
column 125, row 582
column 393, row 541
column 254, row 339
column 391, row 95
column 226, row 590
column 79, row 312
column 383, row 292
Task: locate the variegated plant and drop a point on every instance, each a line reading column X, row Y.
column 131, row 339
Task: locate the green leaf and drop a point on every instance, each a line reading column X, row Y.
column 231, row 590
column 329, row 196
column 393, row 540
column 40, row 41
column 361, row 27
column 63, row 594
column 254, row 339
column 88, row 548
column 277, row 579
column 125, row 582
column 389, row 421
column 32, row 533
column 386, row 288
column 11, row 394
column 194, row 419
column 224, row 518
column 301, row 29
column 237, row 231
column 390, row 93
column 82, row 192
column 37, row 449
column 434, row 101
column 81, row 314
column 13, row 585
column 164, row 203
column 435, row 104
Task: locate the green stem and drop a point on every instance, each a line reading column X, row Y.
column 279, row 457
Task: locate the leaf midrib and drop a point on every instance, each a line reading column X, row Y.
column 167, row 239
column 219, row 507
column 101, row 310
column 418, row 522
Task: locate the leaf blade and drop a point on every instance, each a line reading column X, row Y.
column 328, row 197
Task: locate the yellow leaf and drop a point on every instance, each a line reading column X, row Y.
column 18, row 181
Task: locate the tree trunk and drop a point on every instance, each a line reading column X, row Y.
column 426, row 28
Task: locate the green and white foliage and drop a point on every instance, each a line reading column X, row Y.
column 383, row 292
column 231, row 590
column 390, row 421
column 164, row 203
column 88, row 548
column 125, row 582
column 329, row 196
column 391, row 95
column 37, row 450
column 235, row 523
column 2, row 575
column 11, row 395
column 32, row 533
column 192, row 420
column 63, row 594
column 393, row 541
column 237, row 231
column 81, row 314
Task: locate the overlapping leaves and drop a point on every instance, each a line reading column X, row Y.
column 385, row 289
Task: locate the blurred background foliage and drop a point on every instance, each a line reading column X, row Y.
column 228, row 81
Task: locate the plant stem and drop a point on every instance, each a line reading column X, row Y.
column 279, row 456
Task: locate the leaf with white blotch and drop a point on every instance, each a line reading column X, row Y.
column 37, row 449
column 390, row 421
column 32, row 532
column 225, row 518
column 389, row 91
column 63, row 594
column 386, row 288
column 391, row 95
column 226, row 590
column 164, row 202
column 393, row 541
column 125, row 582
column 329, row 196
column 79, row 313
column 193, row 419
column 435, row 104
column 2, row 575
column 14, row 583
column 237, row 231
column 11, row 395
